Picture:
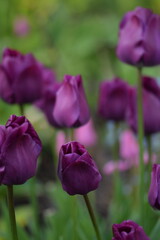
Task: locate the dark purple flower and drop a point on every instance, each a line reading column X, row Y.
column 151, row 106
column 77, row 170
column 20, row 78
column 128, row 230
column 47, row 100
column 154, row 191
column 20, row 147
column 113, row 98
column 139, row 37
column 71, row 108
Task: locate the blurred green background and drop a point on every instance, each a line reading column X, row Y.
column 73, row 36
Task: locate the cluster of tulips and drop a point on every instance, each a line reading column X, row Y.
column 24, row 80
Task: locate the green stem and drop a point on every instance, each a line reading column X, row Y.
column 35, row 208
column 140, row 141
column 149, row 147
column 12, row 212
column 93, row 219
column 21, row 109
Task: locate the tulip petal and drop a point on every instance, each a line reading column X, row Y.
column 27, row 88
column 6, row 92
column 20, row 160
column 78, row 178
column 66, row 110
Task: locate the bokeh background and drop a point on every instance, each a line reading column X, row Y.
column 71, row 37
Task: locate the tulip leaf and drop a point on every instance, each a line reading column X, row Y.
column 156, row 231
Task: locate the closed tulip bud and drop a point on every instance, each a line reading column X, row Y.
column 20, row 78
column 77, row 170
column 151, row 115
column 154, row 190
column 113, row 98
column 128, row 230
column 20, row 147
column 139, row 37
column 71, row 108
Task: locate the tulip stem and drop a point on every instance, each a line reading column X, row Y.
column 140, row 141
column 12, row 212
column 21, row 109
column 149, row 147
column 92, row 216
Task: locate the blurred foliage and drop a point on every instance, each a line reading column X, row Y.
column 72, row 37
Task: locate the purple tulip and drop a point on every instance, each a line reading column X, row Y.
column 128, row 230
column 71, row 108
column 47, row 101
column 113, row 98
column 151, row 115
column 77, row 170
column 139, row 37
column 20, row 78
column 154, row 191
column 20, row 147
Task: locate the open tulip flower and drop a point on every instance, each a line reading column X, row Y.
column 20, row 78
column 139, row 37
column 128, row 230
column 76, row 169
column 20, row 147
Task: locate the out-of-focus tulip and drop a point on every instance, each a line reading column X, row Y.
column 129, row 148
column 21, row 26
column 139, row 37
column 86, row 134
column 151, row 106
column 20, row 78
column 77, row 170
column 154, row 191
column 113, row 98
column 60, row 140
column 128, row 230
column 47, row 100
column 20, row 147
column 71, row 108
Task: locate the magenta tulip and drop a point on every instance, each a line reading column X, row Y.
column 71, row 108
column 20, row 147
column 128, row 230
column 76, row 169
column 20, row 78
column 151, row 115
column 139, row 38
column 154, row 191
column 113, row 98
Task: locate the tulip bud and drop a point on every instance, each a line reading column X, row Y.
column 151, row 115
column 71, row 108
column 139, row 37
column 20, row 147
column 128, row 230
column 154, row 190
column 20, row 78
column 77, row 170
column 113, row 99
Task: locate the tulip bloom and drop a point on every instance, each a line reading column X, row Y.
column 113, row 99
column 77, row 170
column 47, row 100
column 20, row 147
column 154, row 191
column 139, row 37
column 128, row 230
column 71, row 108
column 20, row 78
column 151, row 106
